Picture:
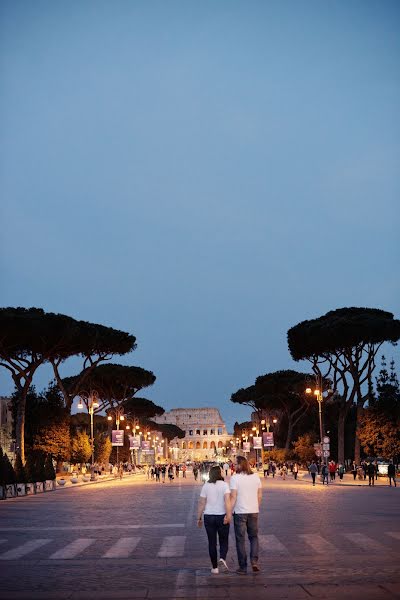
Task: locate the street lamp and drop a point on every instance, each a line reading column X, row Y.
column 118, row 412
column 91, row 401
column 319, row 397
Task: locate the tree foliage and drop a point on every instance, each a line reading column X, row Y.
column 81, row 449
column 304, row 448
column 282, row 391
column 102, row 448
column 169, row 431
column 141, row 409
column 379, row 430
column 30, row 337
column 344, row 344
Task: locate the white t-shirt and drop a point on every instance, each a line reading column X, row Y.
column 247, row 487
column 215, row 495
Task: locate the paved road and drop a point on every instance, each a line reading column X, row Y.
column 138, row 539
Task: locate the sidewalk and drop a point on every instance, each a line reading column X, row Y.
column 348, row 480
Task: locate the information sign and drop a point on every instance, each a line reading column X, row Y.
column 257, row 443
column 268, row 439
column 326, row 439
column 117, row 437
column 133, row 443
column 325, row 446
column 145, row 445
column 246, row 446
column 326, row 453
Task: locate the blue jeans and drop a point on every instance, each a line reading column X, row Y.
column 249, row 523
column 214, row 524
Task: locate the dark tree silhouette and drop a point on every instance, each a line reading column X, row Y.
column 343, row 345
column 114, row 383
column 279, row 391
column 30, row 337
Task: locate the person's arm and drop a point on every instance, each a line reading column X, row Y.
column 200, row 509
column 259, row 496
column 228, row 509
column 233, row 497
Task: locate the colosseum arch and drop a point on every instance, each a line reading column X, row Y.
column 220, row 444
column 183, row 445
column 198, row 445
column 190, row 446
column 212, row 445
column 205, row 446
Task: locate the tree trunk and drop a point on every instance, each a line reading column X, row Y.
column 341, row 434
column 20, row 426
column 357, row 445
column 289, row 434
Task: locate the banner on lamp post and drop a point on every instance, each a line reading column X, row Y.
column 145, row 445
column 268, row 439
column 117, row 437
column 159, row 449
column 257, row 443
column 246, row 446
column 133, row 443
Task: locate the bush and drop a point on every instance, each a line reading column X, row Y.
column 30, row 469
column 39, row 469
column 304, row 448
column 49, row 468
column 7, row 471
column 20, row 471
column 279, row 455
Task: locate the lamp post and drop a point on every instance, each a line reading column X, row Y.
column 317, row 392
column 256, row 434
column 119, row 416
column 91, row 400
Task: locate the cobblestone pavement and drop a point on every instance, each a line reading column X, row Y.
column 138, row 539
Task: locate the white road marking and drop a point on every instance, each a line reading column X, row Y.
column 122, row 548
column 270, row 543
column 394, row 534
column 173, row 545
column 73, row 549
column 365, row 542
column 93, row 527
column 23, row 550
column 318, row 543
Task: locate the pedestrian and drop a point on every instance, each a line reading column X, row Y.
column 170, row 473
column 184, row 471
column 313, row 469
column 246, row 496
column 364, row 468
column 284, row 471
column 354, row 470
column 371, row 473
column 295, row 470
column 120, row 470
column 392, row 473
column 324, row 474
column 177, row 471
column 195, row 472
column 226, row 469
column 273, row 470
column 157, row 472
column 341, row 471
column 332, row 470
column 376, row 470
column 163, row 472
column 215, row 503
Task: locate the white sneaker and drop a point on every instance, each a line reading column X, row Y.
column 223, row 566
column 214, row 571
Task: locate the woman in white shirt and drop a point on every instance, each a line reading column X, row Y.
column 215, row 503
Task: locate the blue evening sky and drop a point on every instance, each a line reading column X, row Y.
column 201, row 174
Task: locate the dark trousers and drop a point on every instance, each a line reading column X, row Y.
column 214, row 525
column 249, row 523
column 394, row 480
column 313, row 478
column 371, row 479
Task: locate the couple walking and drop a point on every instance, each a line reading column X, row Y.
column 218, row 502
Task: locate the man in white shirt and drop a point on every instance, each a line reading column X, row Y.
column 246, row 496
